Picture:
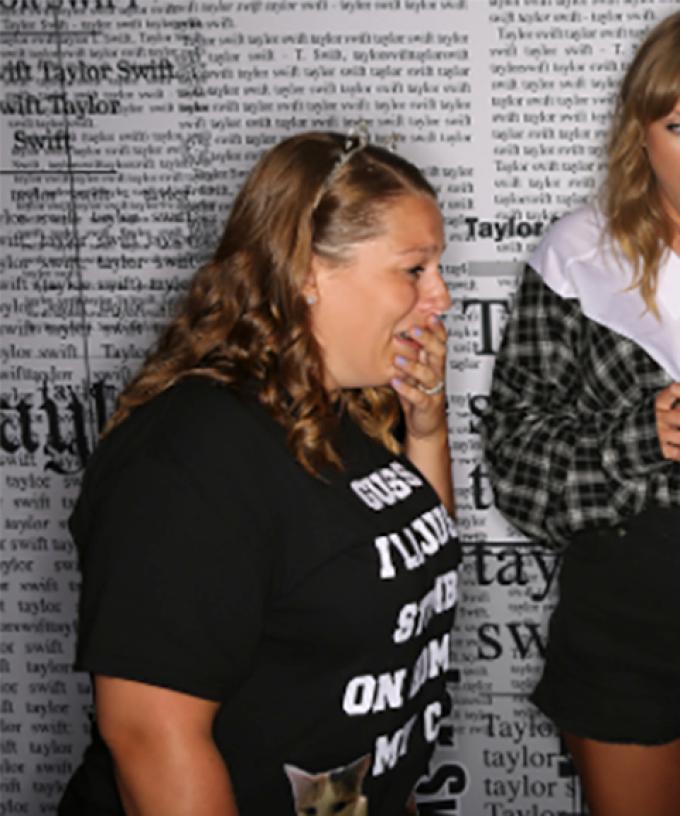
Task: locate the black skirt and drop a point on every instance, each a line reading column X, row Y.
column 612, row 670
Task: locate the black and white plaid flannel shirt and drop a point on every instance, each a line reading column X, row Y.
column 570, row 431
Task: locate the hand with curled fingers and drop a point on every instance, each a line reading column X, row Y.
column 667, row 406
column 420, row 384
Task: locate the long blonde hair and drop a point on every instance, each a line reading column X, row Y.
column 245, row 320
column 637, row 219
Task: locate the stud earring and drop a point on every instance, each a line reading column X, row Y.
column 311, row 299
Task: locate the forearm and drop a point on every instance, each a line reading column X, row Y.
column 557, row 473
column 432, row 457
column 173, row 777
column 543, row 476
column 560, row 461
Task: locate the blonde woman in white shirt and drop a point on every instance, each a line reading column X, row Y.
column 582, row 439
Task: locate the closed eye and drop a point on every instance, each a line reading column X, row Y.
column 416, row 271
column 338, row 806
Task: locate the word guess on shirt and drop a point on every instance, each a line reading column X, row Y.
column 387, row 486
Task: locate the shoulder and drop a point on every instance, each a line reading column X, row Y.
column 193, row 408
column 575, row 238
column 199, row 444
column 199, row 424
column 198, row 406
column 207, row 421
column 574, row 235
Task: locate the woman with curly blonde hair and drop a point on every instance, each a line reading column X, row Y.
column 269, row 576
column 582, row 438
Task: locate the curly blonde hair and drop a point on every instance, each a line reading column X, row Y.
column 637, row 219
column 245, row 320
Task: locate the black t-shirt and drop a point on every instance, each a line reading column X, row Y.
column 316, row 611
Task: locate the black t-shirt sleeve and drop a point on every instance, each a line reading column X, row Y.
column 173, row 587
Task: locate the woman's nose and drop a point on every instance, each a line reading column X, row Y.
column 435, row 297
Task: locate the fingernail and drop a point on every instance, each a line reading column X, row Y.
column 400, row 360
column 396, row 382
column 416, row 331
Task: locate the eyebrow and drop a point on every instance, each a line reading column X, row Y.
column 429, row 249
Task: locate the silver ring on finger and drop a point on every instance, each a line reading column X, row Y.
column 437, row 388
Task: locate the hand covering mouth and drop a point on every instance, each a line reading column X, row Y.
column 406, row 337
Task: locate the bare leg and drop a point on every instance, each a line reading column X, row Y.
column 628, row 780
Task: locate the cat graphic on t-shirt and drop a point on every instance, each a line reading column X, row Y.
column 332, row 793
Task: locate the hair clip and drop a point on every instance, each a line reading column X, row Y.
column 392, row 142
column 357, row 138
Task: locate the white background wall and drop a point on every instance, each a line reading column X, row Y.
column 127, row 127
